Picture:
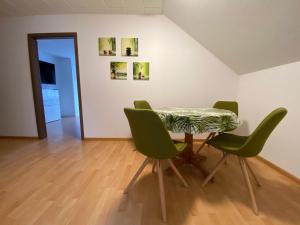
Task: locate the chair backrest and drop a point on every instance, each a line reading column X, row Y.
column 149, row 134
column 228, row 105
column 258, row 138
column 141, row 104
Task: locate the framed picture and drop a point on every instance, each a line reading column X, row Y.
column 107, row 46
column 141, row 70
column 118, row 70
column 129, row 47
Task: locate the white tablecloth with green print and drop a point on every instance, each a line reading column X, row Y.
column 197, row 120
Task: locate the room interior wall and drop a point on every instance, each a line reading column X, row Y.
column 64, row 81
column 63, row 69
column 63, row 48
column 261, row 92
column 182, row 72
column 75, row 86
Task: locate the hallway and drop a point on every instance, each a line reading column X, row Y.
column 66, row 127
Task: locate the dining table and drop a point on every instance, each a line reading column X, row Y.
column 193, row 121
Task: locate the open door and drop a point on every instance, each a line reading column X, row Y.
column 36, row 79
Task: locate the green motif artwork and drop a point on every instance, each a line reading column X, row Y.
column 129, row 46
column 197, row 120
column 118, row 70
column 107, row 46
column 141, row 70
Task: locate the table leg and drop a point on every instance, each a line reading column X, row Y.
column 185, row 157
column 190, row 157
column 188, row 153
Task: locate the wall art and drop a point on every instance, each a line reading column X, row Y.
column 107, row 46
column 141, row 70
column 129, row 46
column 118, row 70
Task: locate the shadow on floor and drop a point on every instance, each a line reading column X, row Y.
column 226, row 201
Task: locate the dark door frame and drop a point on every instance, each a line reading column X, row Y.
column 36, row 81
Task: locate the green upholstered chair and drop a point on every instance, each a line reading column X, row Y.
column 228, row 105
column 153, row 140
column 141, row 104
column 246, row 146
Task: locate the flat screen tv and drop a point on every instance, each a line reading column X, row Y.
column 47, row 72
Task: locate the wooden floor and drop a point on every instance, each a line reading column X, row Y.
column 63, row 180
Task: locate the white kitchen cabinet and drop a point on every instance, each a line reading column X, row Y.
column 51, row 104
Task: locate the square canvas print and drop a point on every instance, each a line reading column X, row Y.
column 118, row 70
column 107, row 46
column 141, row 70
column 129, row 47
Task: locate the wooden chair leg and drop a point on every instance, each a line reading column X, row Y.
column 250, row 189
column 177, row 173
column 253, row 174
column 154, row 166
column 212, row 136
column 204, row 143
column 161, row 191
column 219, row 164
column 137, row 174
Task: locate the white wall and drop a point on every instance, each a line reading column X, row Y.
column 64, row 80
column 261, row 92
column 75, row 87
column 182, row 72
column 63, row 70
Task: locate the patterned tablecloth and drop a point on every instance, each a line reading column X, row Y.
column 197, row 120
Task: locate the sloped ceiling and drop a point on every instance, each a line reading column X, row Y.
column 247, row 35
column 43, row 7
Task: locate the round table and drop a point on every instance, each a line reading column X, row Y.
column 192, row 121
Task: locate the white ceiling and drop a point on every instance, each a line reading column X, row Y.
column 247, row 35
column 43, row 7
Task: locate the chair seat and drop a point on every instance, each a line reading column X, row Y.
column 228, row 130
column 228, row 142
column 179, row 145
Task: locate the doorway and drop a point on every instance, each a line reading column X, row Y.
column 56, row 84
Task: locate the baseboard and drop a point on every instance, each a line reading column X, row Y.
column 278, row 169
column 126, row 139
column 106, row 139
column 19, row 137
column 263, row 160
column 89, row 138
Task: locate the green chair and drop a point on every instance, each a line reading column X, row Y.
column 228, row 105
column 246, row 146
column 153, row 140
column 141, row 104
